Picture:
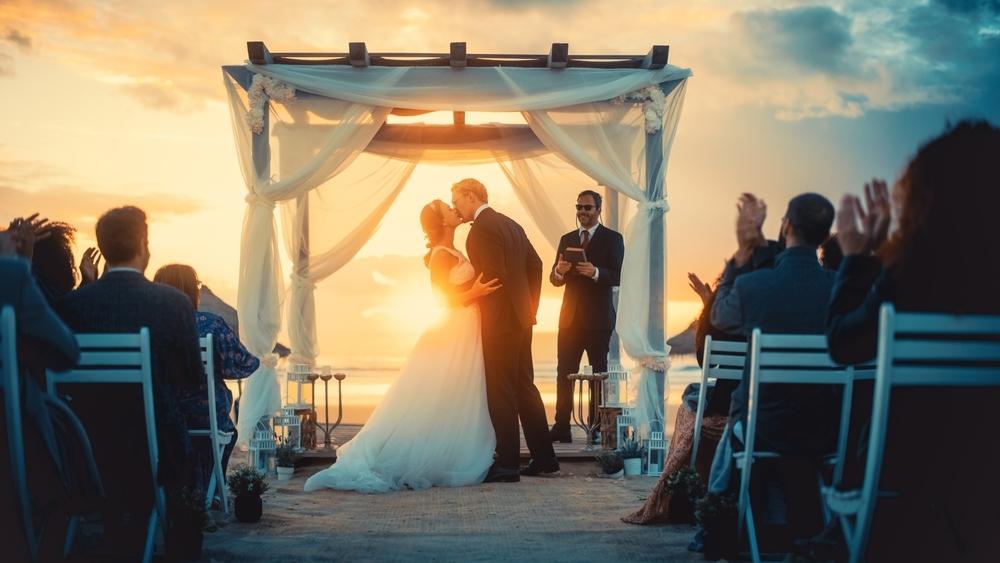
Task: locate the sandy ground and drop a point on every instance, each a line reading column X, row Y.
column 571, row 516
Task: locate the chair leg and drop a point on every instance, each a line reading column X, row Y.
column 752, row 534
column 147, row 553
column 70, row 535
column 218, row 475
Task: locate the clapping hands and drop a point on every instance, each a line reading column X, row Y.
column 874, row 223
column 749, row 226
column 701, row 288
column 88, row 265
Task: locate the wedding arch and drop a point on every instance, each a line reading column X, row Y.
column 311, row 135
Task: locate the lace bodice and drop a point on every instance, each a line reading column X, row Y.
column 461, row 272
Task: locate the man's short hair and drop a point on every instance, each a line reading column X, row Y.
column 593, row 194
column 120, row 232
column 811, row 216
column 471, row 186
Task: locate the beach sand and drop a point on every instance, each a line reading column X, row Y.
column 572, row 516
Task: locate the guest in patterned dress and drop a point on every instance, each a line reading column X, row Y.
column 232, row 361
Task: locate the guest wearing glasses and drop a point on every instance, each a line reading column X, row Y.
column 588, row 311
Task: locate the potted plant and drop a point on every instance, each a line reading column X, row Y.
column 718, row 515
column 186, row 516
column 632, row 451
column 247, row 484
column 685, row 488
column 611, row 463
column 285, row 457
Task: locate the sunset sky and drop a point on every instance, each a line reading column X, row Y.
column 107, row 103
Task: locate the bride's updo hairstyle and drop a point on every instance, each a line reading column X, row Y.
column 432, row 222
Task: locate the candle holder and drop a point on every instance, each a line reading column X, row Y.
column 589, row 382
column 327, row 427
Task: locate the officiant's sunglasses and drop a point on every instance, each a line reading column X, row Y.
column 587, row 207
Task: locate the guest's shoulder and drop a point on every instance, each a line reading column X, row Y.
column 209, row 322
column 14, row 267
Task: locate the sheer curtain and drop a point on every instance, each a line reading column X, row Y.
column 259, row 298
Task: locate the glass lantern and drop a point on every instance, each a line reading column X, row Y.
column 299, row 389
column 615, row 392
column 656, row 451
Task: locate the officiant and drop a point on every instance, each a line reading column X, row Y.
column 588, row 264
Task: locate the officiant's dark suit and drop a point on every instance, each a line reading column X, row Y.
column 499, row 249
column 124, row 301
column 587, row 317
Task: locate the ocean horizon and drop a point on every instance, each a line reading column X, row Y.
column 368, row 379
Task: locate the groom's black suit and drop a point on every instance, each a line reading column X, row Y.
column 499, row 249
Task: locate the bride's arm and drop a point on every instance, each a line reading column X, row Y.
column 441, row 265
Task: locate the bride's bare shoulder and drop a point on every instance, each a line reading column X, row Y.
column 441, row 258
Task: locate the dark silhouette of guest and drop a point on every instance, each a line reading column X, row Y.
column 941, row 449
column 232, row 361
column 124, row 301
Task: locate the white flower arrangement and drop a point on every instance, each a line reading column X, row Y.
column 661, row 363
column 653, row 102
column 262, row 89
column 660, row 204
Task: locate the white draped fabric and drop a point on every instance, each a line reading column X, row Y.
column 335, row 170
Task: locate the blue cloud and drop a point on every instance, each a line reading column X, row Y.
column 959, row 44
column 814, row 38
column 970, row 6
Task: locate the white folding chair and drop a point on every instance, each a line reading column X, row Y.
column 721, row 360
column 914, row 349
column 15, row 430
column 122, row 358
column 219, row 439
column 798, row 359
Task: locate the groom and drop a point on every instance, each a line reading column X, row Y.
column 498, row 248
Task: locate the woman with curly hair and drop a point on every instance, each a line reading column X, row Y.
column 941, row 454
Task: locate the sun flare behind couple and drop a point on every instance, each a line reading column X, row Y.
column 469, row 379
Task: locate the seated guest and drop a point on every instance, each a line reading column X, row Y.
column 124, row 301
column 795, row 420
column 713, row 421
column 232, row 361
column 941, row 452
column 42, row 338
column 754, row 252
column 791, row 298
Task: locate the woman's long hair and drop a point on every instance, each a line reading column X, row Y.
column 182, row 277
column 432, row 222
column 948, row 199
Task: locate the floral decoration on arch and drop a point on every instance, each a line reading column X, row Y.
column 263, row 88
column 653, row 102
column 661, row 363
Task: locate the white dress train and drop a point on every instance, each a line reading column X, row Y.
column 433, row 426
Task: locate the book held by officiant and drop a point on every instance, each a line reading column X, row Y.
column 574, row 256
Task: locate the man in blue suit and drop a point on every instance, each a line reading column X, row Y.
column 790, row 298
column 587, row 316
column 124, row 301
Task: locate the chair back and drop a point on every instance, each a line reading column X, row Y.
column 121, row 358
column 207, row 343
column 921, row 349
column 15, row 431
column 793, row 359
column 721, row 360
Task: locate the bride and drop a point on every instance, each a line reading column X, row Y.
column 433, row 426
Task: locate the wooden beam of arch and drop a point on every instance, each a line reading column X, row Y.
column 458, row 57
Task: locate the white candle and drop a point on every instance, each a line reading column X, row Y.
column 326, row 370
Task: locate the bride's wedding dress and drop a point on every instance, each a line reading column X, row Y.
column 433, row 426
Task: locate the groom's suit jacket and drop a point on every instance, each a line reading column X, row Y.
column 498, row 248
